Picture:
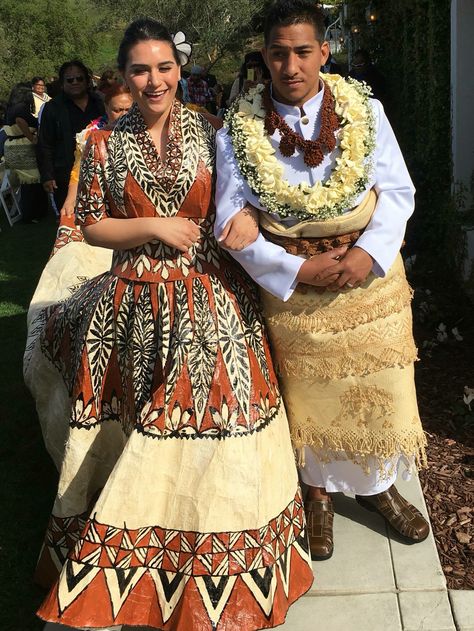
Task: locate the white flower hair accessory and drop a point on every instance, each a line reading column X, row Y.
column 182, row 46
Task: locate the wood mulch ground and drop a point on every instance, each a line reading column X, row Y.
column 448, row 482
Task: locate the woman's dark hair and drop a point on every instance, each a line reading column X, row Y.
column 37, row 80
column 21, row 94
column 143, row 30
column 254, row 57
column 287, row 12
column 78, row 63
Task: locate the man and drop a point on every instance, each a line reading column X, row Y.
column 62, row 118
column 38, row 87
column 322, row 165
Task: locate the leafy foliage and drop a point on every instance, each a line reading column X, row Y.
column 214, row 27
column 411, row 44
column 40, row 35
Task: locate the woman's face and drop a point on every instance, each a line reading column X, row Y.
column 39, row 88
column 152, row 76
column 118, row 106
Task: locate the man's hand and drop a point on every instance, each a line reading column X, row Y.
column 50, row 186
column 241, row 230
column 353, row 270
column 321, row 265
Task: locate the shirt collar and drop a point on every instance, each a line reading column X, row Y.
column 311, row 107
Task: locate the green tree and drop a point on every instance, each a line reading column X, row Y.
column 212, row 26
column 39, row 36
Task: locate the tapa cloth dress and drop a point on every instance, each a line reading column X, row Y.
column 178, row 504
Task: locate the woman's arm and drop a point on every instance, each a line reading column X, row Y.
column 25, row 130
column 123, row 234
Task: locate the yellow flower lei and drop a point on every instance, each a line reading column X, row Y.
column 264, row 173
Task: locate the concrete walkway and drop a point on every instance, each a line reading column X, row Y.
column 373, row 582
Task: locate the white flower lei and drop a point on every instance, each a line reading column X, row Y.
column 264, row 173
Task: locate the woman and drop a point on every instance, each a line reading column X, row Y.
column 117, row 102
column 252, row 71
column 178, row 505
column 40, row 96
column 20, row 153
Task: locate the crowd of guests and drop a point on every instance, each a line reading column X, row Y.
column 43, row 118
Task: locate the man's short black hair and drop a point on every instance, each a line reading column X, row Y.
column 287, row 12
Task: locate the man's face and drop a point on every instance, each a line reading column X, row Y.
column 294, row 57
column 75, row 82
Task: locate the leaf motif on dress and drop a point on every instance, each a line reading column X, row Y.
column 163, row 325
column 116, row 170
column 81, row 414
column 124, row 334
column 233, row 347
column 225, row 418
column 100, row 339
column 203, row 352
column 253, row 325
column 181, row 338
column 144, row 347
column 80, row 310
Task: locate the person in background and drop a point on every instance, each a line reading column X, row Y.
column 108, row 79
column 253, row 70
column 363, row 69
column 198, row 90
column 20, row 154
column 62, row 118
column 118, row 101
column 40, row 96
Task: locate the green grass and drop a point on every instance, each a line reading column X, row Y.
column 27, row 476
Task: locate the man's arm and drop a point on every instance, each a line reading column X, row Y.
column 267, row 263
column 383, row 237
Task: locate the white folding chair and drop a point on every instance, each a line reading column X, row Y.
column 9, row 198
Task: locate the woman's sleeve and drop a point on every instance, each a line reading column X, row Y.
column 92, row 204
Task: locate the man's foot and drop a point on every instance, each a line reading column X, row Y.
column 402, row 516
column 319, row 518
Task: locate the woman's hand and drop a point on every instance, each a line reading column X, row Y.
column 177, row 232
column 68, row 208
column 320, row 270
column 241, row 230
column 70, row 202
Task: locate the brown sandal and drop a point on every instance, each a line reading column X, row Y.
column 319, row 519
column 402, row 516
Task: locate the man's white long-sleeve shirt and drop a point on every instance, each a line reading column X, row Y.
column 269, row 264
